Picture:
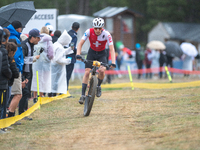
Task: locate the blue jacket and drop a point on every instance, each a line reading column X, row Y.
column 19, row 59
column 73, row 34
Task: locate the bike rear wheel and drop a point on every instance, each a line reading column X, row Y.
column 91, row 95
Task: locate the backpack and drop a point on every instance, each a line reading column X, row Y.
column 141, row 55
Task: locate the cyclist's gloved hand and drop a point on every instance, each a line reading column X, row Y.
column 112, row 66
column 78, row 57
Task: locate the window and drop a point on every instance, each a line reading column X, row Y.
column 127, row 23
column 109, row 25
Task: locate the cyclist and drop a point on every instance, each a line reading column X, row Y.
column 98, row 38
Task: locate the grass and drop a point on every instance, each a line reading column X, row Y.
column 165, row 119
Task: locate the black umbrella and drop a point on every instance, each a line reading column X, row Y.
column 173, row 49
column 19, row 11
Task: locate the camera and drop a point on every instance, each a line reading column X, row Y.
column 72, row 45
column 41, row 50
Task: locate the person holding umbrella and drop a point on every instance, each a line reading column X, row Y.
column 158, row 55
column 189, row 52
column 172, row 50
column 162, row 61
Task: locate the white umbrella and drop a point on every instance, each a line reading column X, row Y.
column 157, row 45
column 189, row 49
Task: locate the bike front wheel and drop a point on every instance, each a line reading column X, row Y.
column 91, row 95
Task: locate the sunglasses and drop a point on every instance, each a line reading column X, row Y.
column 98, row 28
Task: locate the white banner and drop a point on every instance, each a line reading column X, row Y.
column 41, row 18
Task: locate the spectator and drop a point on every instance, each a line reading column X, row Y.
column 155, row 55
column 11, row 49
column 70, row 67
column 169, row 63
column 119, row 56
column 5, row 73
column 148, row 61
column 28, row 48
column 50, row 27
column 23, row 37
column 187, row 63
column 162, row 61
column 43, row 65
column 2, row 130
column 59, row 83
column 15, row 29
column 139, row 59
column 56, row 35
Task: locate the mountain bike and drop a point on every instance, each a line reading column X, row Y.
column 92, row 84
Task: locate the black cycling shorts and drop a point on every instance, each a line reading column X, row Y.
column 94, row 55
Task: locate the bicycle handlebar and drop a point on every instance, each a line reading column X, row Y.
column 95, row 63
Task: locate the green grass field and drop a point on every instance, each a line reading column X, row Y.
column 121, row 119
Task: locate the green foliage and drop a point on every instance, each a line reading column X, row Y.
column 154, row 11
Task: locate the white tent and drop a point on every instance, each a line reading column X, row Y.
column 65, row 23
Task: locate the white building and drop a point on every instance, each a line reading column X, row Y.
column 178, row 32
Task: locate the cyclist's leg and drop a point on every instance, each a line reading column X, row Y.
column 84, row 85
column 85, row 80
column 88, row 67
column 101, row 75
column 101, row 58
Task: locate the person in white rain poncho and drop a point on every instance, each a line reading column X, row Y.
column 189, row 53
column 43, row 65
column 58, row 72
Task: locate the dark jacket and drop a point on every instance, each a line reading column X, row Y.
column 163, row 58
column 73, row 34
column 14, row 69
column 28, row 49
column 5, row 73
column 0, row 60
column 54, row 38
column 139, row 56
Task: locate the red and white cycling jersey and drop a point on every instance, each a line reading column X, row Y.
column 98, row 43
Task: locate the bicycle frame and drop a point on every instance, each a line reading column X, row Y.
column 92, row 83
column 93, row 72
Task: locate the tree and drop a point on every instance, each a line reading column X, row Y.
column 154, row 11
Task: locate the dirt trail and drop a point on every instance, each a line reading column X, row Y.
column 124, row 119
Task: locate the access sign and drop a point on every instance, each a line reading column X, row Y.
column 41, row 18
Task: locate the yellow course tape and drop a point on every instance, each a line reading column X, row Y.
column 11, row 120
column 148, row 85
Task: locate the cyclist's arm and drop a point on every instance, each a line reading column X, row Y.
column 112, row 52
column 111, row 47
column 83, row 39
column 79, row 47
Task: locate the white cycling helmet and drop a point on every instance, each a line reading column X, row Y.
column 98, row 23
